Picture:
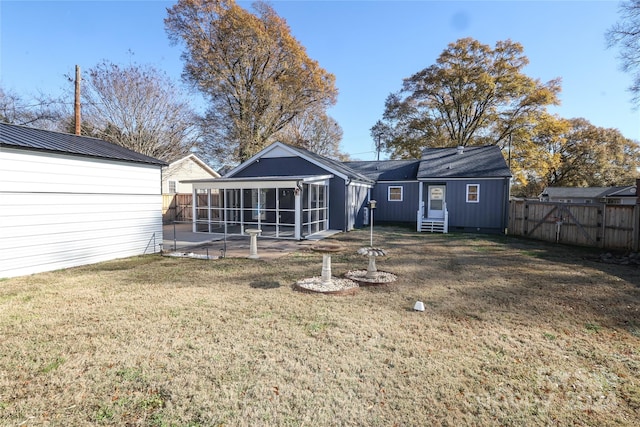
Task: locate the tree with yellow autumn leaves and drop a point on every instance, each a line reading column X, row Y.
column 478, row 95
column 256, row 76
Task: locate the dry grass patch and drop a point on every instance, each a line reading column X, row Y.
column 514, row 333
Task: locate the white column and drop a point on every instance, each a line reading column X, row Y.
column 298, row 204
column 419, row 215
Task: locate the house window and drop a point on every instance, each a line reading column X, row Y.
column 172, row 187
column 473, row 193
column 395, row 194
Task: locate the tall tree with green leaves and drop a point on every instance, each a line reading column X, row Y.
column 256, row 76
column 473, row 95
column 625, row 34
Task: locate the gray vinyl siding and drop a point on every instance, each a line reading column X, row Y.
column 337, row 203
column 394, row 211
column 487, row 215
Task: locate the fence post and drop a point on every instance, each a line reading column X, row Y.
column 635, row 245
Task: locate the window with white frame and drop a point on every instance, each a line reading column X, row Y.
column 394, row 193
column 473, row 193
column 172, row 187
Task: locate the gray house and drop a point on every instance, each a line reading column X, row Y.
column 289, row 192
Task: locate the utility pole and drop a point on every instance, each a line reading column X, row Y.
column 76, row 108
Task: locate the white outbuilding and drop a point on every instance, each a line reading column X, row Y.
column 68, row 200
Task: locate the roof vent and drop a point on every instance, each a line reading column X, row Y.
column 460, row 149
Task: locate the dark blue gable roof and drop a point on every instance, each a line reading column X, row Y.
column 474, row 162
column 342, row 167
column 43, row 140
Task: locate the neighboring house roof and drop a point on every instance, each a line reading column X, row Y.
column 22, row 137
column 197, row 160
column 474, row 162
column 587, row 192
column 629, row 191
column 387, row 170
column 279, row 148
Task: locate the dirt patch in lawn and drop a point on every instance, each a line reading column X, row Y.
column 514, row 332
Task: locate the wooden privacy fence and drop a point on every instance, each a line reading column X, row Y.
column 597, row 225
column 176, row 207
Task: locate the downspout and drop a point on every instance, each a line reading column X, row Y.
column 347, row 205
column 506, row 205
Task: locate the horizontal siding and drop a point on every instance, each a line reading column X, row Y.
column 61, row 211
column 32, row 172
column 67, row 230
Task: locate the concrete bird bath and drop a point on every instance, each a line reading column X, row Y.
column 326, row 283
column 253, row 245
column 371, row 276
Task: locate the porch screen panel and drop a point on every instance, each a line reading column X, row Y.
column 286, row 213
column 315, row 208
column 201, row 206
column 216, row 211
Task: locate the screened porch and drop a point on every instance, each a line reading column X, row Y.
column 282, row 207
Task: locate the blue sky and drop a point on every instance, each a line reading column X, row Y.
column 370, row 46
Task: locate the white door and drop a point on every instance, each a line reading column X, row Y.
column 435, row 203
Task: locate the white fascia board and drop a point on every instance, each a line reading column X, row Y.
column 361, row 184
column 205, row 166
column 242, row 185
column 258, row 182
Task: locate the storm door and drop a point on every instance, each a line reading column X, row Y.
column 435, row 203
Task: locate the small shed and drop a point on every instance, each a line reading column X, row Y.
column 68, row 200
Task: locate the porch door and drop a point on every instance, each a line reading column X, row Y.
column 435, row 202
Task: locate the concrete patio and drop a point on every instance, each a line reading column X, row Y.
column 180, row 238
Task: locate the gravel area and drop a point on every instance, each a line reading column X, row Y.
column 381, row 277
column 337, row 285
